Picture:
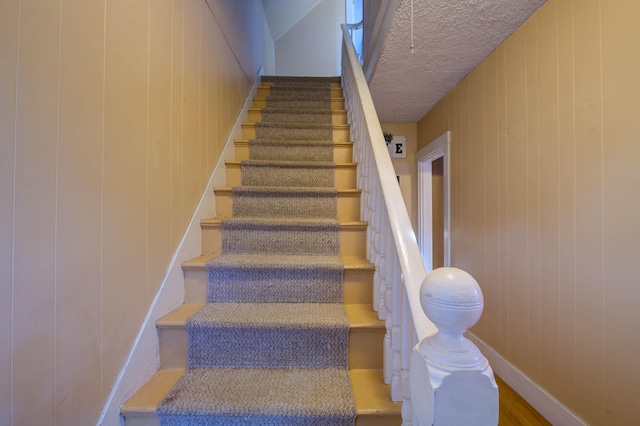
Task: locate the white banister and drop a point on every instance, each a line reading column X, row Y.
column 439, row 375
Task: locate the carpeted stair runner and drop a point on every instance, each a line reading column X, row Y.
column 290, row 150
column 273, row 201
column 313, row 131
column 270, row 345
column 275, row 278
column 287, row 173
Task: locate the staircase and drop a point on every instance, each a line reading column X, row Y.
column 283, row 266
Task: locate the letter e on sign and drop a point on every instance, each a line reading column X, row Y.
column 397, row 147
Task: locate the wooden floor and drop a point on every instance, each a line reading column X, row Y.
column 516, row 411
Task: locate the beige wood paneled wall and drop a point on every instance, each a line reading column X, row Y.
column 112, row 117
column 545, row 200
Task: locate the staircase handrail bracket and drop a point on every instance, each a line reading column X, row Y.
column 439, row 375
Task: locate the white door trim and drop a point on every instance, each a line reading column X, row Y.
column 437, row 148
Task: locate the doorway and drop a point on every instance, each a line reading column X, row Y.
column 433, row 203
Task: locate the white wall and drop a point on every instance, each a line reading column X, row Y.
column 284, row 14
column 312, row 46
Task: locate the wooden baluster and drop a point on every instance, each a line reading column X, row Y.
column 396, row 314
column 408, row 342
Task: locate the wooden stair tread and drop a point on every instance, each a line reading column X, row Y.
column 372, row 396
column 215, row 222
column 361, row 317
column 350, row 262
column 334, row 111
column 335, row 143
column 147, row 398
column 370, row 393
column 346, row 191
column 178, row 316
column 238, row 162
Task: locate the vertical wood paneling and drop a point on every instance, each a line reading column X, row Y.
column 8, row 63
column 502, row 344
column 464, row 130
column 549, row 198
column 177, row 113
column 621, row 209
column 191, row 189
column 35, row 213
column 491, row 284
column 560, row 165
column 589, row 243
column 159, row 243
column 516, row 147
column 211, row 121
column 533, row 195
column 78, row 346
column 125, row 177
column 476, row 182
column 566, row 203
column 202, row 94
column 100, row 105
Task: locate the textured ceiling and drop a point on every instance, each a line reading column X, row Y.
column 450, row 38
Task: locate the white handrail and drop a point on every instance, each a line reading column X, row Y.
column 412, row 268
column 431, row 365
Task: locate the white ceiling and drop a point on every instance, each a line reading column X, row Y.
column 450, row 38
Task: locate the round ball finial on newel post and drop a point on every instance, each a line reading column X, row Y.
column 453, row 301
column 451, row 381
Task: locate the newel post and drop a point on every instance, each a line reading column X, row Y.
column 451, row 382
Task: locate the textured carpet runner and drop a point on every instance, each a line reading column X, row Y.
column 270, row 345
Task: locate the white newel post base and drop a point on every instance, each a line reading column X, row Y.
column 451, row 382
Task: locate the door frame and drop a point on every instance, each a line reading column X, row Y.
column 438, row 148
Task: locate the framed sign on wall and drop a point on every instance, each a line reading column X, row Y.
column 398, row 147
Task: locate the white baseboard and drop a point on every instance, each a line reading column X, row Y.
column 538, row 398
column 144, row 358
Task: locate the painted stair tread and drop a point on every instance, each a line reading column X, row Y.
column 289, row 164
column 292, row 142
column 261, row 261
column 280, row 236
column 295, row 116
column 300, row 102
column 318, row 91
column 300, row 79
column 293, row 191
column 298, row 131
column 260, row 396
column 293, row 110
column 302, row 126
column 281, row 315
column 268, row 335
column 275, row 278
column 273, row 201
column 291, row 150
column 287, row 173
